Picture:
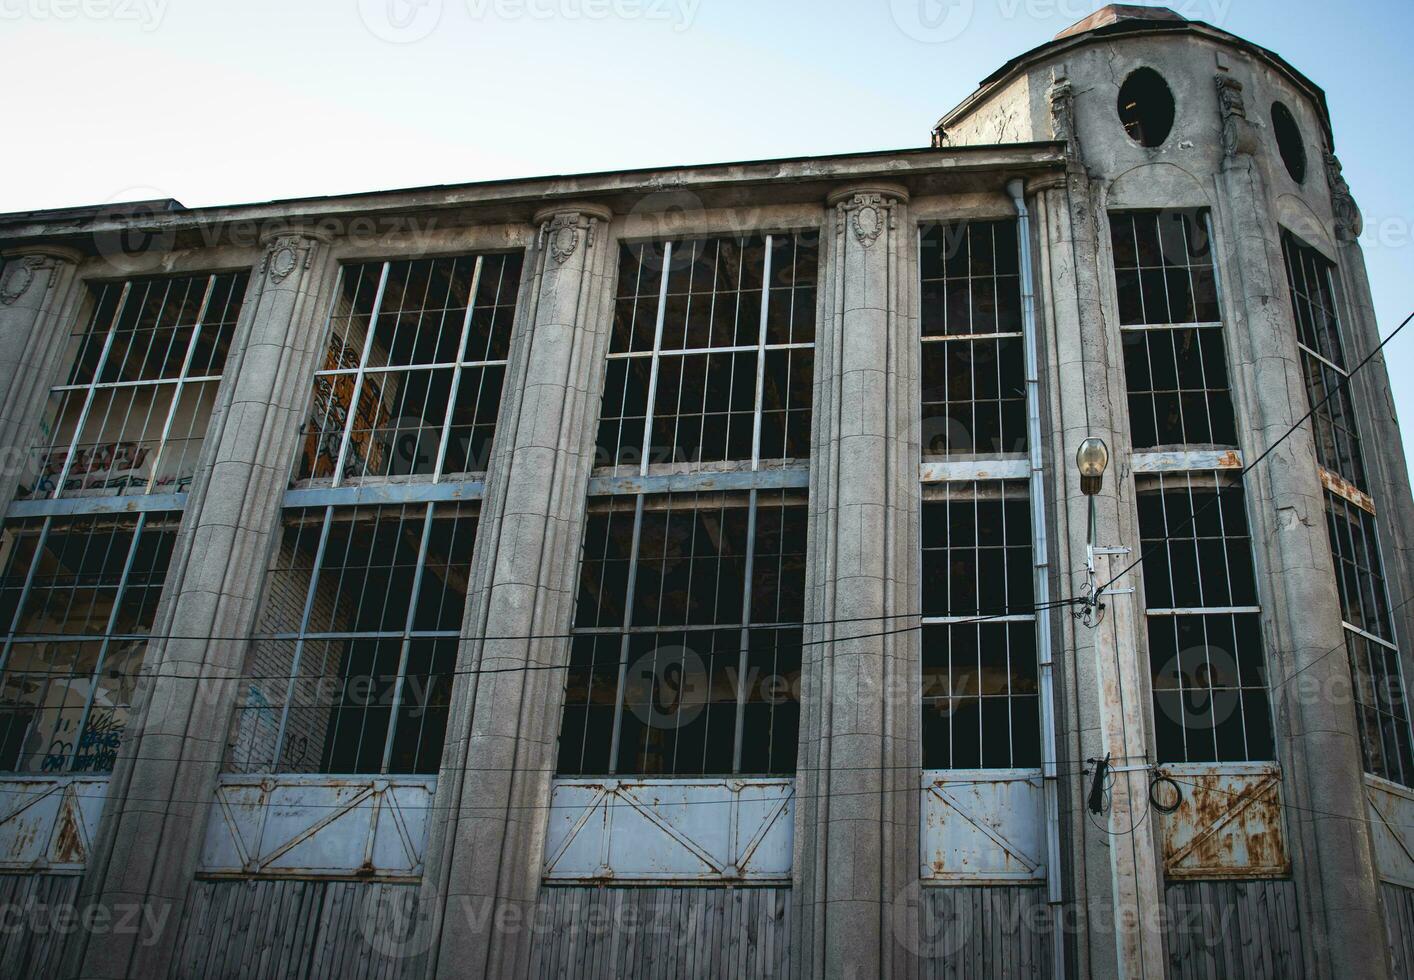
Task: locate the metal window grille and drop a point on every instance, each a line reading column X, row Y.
column 132, row 413
column 1174, row 356
column 974, row 382
column 1313, row 300
column 1207, row 661
column 78, row 596
column 706, row 364
column 687, row 647
column 980, row 694
column 352, row 665
column 1370, row 640
column 411, row 381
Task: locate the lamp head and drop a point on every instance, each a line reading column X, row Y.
column 1092, row 459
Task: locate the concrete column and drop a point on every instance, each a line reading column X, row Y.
column 1114, row 856
column 503, row 732
column 1317, row 740
column 857, row 851
column 164, row 784
column 38, row 306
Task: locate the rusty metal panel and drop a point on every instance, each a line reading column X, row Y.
column 1391, row 809
column 953, row 470
column 1229, row 824
column 304, row 826
column 983, row 825
column 47, row 823
column 670, row 830
column 1185, row 461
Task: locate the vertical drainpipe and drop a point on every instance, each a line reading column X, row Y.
column 1041, row 578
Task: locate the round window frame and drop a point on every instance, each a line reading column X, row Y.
column 1290, row 141
column 1144, row 72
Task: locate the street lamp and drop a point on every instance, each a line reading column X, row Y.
column 1092, row 458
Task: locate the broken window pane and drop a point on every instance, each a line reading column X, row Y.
column 1311, row 280
column 974, row 383
column 353, row 663
column 1207, row 661
column 78, row 596
column 131, row 416
column 686, row 658
column 980, row 695
column 1369, row 634
column 411, row 381
column 1175, row 362
column 697, row 371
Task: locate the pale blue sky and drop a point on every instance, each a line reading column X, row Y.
column 217, row 101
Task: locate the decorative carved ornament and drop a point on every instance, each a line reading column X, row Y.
column 18, row 275
column 1349, row 222
column 561, row 234
column 1062, row 99
column 868, row 214
column 284, row 255
column 1232, row 111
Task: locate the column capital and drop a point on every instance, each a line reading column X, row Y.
column 867, row 209
column 288, row 250
column 21, row 264
column 561, row 225
column 1046, row 182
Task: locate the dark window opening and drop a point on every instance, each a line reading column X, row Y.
column 711, row 355
column 1206, row 655
column 1146, row 107
column 687, row 649
column 1175, row 358
column 1289, row 142
column 974, row 382
column 981, row 707
column 131, row 416
column 352, row 666
column 411, row 381
column 1380, row 706
column 1311, row 280
column 77, row 596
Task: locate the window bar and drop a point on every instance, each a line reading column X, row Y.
column 91, row 389
column 181, row 381
column 106, row 642
column 303, row 630
column 628, row 621
column 407, row 641
column 457, row 373
column 25, row 592
column 357, row 392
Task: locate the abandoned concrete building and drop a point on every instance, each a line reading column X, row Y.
column 689, row 572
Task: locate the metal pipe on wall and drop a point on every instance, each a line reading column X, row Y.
column 1041, row 576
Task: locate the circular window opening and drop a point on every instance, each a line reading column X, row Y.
column 1146, row 107
column 1289, row 142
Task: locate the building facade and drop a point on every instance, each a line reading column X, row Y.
column 686, row 571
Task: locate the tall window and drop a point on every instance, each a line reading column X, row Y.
column 1206, row 656
column 974, row 385
column 133, row 410
column 353, row 660
column 1380, row 706
column 1175, row 364
column 686, row 657
column 1365, row 610
column 1311, row 280
column 980, row 696
column 701, row 369
column 411, row 381
column 80, row 577
column 687, row 632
